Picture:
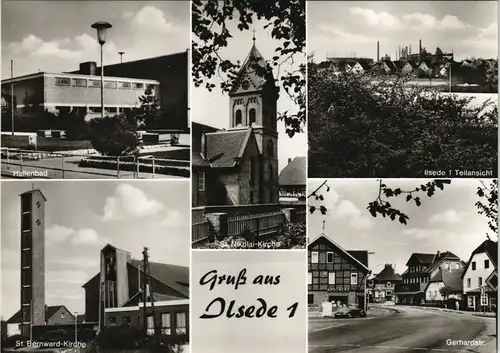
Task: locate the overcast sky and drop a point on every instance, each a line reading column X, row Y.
column 212, row 108
column 448, row 221
column 55, row 36
column 469, row 28
column 81, row 218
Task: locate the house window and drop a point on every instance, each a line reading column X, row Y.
column 331, row 277
column 468, row 282
column 151, row 325
column 127, row 320
column 94, row 83
column 63, row 81
column 180, row 318
column 314, row 257
column 252, row 116
column 388, row 293
column 166, row 326
column 201, row 181
column 480, row 281
column 79, row 82
column 389, row 284
column 124, row 85
column 486, row 263
column 110, row 84
column 63, row 315
column 354, row 278
column 470, row 302
column 112, row 320
column 137, row 85
column 473, row 264
column 329, row 257
column 237, row 120
column 457, row 266
column 309, row 278
column 446, row 266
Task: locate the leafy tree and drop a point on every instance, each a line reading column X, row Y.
column 148, row 113
column 488, row 205
column 363, row 126
column 77, row 128
column 286, row 21
column 492, row 73
column 115, row 135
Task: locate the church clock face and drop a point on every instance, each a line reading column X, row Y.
column 245, row 85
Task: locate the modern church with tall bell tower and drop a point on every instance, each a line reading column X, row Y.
column 239, row 166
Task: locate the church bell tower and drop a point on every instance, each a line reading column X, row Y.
column 253, row 103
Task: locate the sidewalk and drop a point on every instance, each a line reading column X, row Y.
column 472, row 313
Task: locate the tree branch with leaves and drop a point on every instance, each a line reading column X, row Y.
column 285, row 19
column 488, row 203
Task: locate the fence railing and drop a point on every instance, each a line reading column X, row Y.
column 62, row 165
column 261, row 224
column 200, row 231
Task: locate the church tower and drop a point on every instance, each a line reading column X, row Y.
column 253, row 103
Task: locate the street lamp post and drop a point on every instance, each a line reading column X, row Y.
column 101, row 28
column 76, row 329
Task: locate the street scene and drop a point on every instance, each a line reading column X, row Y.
column 422, row 82
column 77, row 278
column 94, row 94
column 402, row 265
column 249, row 146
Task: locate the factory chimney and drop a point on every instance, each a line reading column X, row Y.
column 378, row 51
column 419, row 49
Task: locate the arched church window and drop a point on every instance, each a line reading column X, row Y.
column 252, row 116
column 238, row 118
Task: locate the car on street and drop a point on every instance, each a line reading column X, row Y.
column 349, row 312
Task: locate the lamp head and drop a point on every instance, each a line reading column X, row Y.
column 101, row 28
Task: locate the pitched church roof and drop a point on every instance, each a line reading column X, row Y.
column 249, row 71
column 294, row 173
column 225, row 148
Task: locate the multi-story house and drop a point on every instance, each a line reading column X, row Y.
column 336, row 275
column 384, row 284
column 292, row 180
column 480, row 276
column 445, row 285
column 420, row 269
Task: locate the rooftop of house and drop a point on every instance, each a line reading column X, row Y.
column 450, row 278
column 294, row 173
column 225, row 148
column 387, row 274
column 488, row 247
column 49, row 312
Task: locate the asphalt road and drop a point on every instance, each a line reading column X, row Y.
column 411, row 330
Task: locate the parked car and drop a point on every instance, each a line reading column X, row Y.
column 349, row 312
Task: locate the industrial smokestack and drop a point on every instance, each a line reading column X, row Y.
column 419, row 49
column 378, row 51
column 410, row 50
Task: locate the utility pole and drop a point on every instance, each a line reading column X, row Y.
column 12, row 95
column 144, row 294
column 146, row 289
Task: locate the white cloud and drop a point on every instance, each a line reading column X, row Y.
column 422, row 234
column 448, row 216
column 346, row 208
column 58, row 234
column 386, row 21
column 150, row 17
column 376, row 19
column 81, row 47
column 344, row 36
column 128, row 201
column 128, row 15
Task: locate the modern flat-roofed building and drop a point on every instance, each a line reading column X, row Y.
column 124, row 83
column 55, row 92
